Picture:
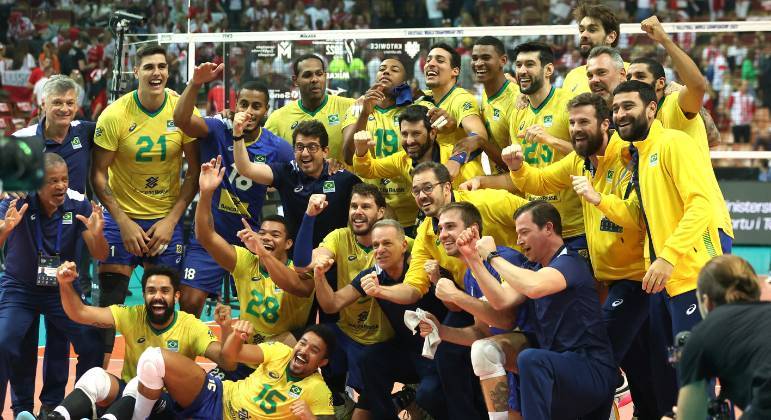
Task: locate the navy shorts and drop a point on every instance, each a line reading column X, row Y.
column 346, row 358
column 201, row 271
column 242, row 372
column 171, row 257
column 208, row 403
column 514, row 400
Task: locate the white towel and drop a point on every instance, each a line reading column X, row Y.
column 432, row 340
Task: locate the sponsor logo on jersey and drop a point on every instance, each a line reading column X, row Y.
column 294, row 124
column 609, row 176
column 351, row 257
column 98, row 132
column 466, row 106
column 140, row 340
column 132, row 127
column 273, row 375
column 180, row 249
column 691, row 309
column 170, row 124
column 496, row 114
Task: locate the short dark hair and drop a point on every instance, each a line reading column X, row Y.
column 454, row 56
column 545, row 53
column 326, row 335
column 148, row 50
column 602, row 13
column 296, row 64
column 368, row 190
column 439, row 170
column 312, row 128
column 646, row 92
column 601, row 108
column 257, row 85
column 415, row 113
column 493, row 42
column 653, row 66
column 278, row 219
column 468, row 213
column 161, row 270
column 542, row 212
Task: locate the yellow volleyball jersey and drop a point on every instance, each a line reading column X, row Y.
column 283, row 121
column 362, row 320
column 271, row 310
column 459, row 103
column 383, row 124
column 145, row 175
column 268, row 393
column 553, row 116
column 399, row 165
column 671, row 116
column 186, row 335
column 497, row 111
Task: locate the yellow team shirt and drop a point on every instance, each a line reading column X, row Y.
column 383, row 124
column 362, row 320
column 553, row 116
column 497, row 208
column 399, row 165
column 670, row 185
column 270, row 390
column 145, row 175
column 576, row 81
column 271, row 310
column 459, row 103
column 497, row 111
column 186, row 335
column 671, row 116
column 615, row 243
column 283, row 121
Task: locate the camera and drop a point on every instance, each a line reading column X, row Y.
column 131, row 17
column 21, row 163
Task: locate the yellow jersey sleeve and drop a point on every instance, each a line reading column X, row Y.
column 497, row 209
column 459, row 103
column 386, row 167
column 319, row 398
column 200, row 336
column 427, row 247
column 109, row 125
column 550, row 179
column 576, row 81
column 497, row 111
column 331, row 243
column 122, row 316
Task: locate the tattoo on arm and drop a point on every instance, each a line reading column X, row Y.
column 499, row 396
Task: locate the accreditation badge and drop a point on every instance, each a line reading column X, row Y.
column 46, row 270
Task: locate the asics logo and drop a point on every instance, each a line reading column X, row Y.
column 617, row 302
column 298, row 188
column 691, row 309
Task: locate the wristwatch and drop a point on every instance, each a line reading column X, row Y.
column 491, row 255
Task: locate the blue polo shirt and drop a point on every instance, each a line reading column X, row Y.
column 75, row 149
column 21, row 249
column 571, row 320
column 296, row 188
column 238, row 196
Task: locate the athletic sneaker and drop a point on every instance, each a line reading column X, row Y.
column 25, row 415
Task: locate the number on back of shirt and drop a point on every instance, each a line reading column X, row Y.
column 189, row 273
column 239, row 181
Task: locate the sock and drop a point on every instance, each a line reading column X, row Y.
column 142, row 407
column 76, row 405
column 498, row 415
column 122, row 409
column 63, row 411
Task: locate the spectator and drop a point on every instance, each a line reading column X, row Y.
column 749, row 72
column 297, row 17
column 20, row 27
column 434, row 12
column 319, row 15
column 37, row 87
column 49, row 51
column 741, row 107
column 74, row 57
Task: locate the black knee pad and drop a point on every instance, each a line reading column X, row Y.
column 112, row 289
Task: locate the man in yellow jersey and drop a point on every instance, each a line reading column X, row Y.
column 378, row 113
column 310, row 77
column 597, row 25
column 135, row 173
column 615, row 243
column 681, row 226
column 682, row 110
column 154, row 324
column 499, row 98
column 432, row 188
column 285, row 385
column 441, row 71
column 271, row 296
column 419, row 144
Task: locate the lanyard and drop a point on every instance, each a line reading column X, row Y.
column 39, row 236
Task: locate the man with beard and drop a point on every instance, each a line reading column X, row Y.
column 499, row 98
column 310, row 77
column 680, row 223
column 378, row 113
column 38, row 231
column 238, row 196
column 307, row 174
column 271, row 297
column 156, row 323
column 597, row 25
column 682, row 110
column 615, row 243
column 469, row 137
column 419, row 144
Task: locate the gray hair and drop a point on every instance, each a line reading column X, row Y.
column 615, row 56
column 390, row 223
column 59, row 85
column 52, row 159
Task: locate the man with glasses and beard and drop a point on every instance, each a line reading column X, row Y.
column 154, row 324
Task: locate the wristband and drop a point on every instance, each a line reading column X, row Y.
column 460, row 157
column 491, row 255
column 238, row 138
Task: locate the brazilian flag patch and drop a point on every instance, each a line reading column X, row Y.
column 172, row 345
column 328, row 187
column 295, row 391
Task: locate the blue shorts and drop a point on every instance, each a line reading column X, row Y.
column 208, row 403
column 242, row 372
column 514, row 400
column 171, row 257
column 726, row 242
column 201, row 271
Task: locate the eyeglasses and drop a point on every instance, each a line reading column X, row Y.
column 312, row 147
column 426, row 189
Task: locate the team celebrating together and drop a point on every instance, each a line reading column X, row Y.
column 532, row 290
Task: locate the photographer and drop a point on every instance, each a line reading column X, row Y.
column 730, row 344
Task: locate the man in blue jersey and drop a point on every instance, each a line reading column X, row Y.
column 238, row 196
column 71, row 139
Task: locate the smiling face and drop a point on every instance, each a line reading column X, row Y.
column 309, row 154
column 591, row 34
column 310, row 353
column 641, row 72
column 450, row 227
column 586, row 132
column 487, row 63
column 438, row 68
column 152, row 73
column 390, row 74
column 275, row 239
column 631, row 116
column 363, row 212
column 388, row 246
column 311, row 80
column 439, row 194
column 603, row 76
column 61, row 108
column 255, row 105
column 531, row 75
column 160, row 298
column 54, row 188
column 415, row 138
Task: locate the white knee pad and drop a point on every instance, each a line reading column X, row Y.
column 151, row 368
column 487, row 359
column 95, row 383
